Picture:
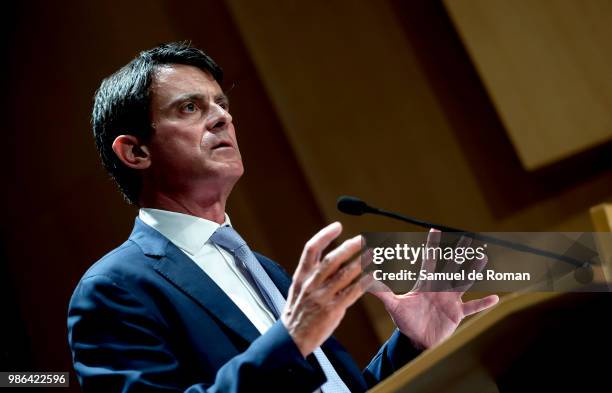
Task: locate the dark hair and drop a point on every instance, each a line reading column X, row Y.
column 121, row 106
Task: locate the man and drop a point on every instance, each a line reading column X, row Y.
column 184, row 305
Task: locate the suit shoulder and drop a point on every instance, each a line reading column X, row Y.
column 124, row 262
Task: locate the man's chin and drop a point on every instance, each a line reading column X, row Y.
column 231, row 168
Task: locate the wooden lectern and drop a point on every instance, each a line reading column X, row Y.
column 537, row 341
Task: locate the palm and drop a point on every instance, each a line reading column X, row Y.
column 428, row 317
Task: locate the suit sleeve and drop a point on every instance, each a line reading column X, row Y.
column 394, row 354
column 119, row 346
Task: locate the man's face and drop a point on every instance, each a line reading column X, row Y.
column 193, row 143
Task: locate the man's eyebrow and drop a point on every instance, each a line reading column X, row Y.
column 186, row 97
column 197, row 97
column 222, row 97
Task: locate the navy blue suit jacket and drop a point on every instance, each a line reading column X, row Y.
column 146, row 318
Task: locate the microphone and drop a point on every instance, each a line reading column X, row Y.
column 353, row 206
column 356, row 207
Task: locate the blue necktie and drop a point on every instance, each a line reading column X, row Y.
column 230, row 240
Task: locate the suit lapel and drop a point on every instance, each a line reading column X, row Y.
column 183, row 273
column 278, row 276
column 176, row 267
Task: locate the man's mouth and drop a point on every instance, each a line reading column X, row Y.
column 222, row 145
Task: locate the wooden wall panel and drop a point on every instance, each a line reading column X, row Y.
column 378, row 100
column 546, row 65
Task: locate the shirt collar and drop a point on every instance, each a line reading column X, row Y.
column 187, row 232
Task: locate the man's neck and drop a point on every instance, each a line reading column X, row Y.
column 212, row 209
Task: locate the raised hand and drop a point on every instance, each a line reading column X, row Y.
column 323, row 288
column 428, row 317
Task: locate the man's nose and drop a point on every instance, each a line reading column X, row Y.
column 219, row 118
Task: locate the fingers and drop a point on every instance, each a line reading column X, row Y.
column 429, row 257
column 463, row 243
column 351, row 293
column 479, row 265
column 385, row 294
column 333, row 260
column 313, row 249
column 474, row 306
column 378, row 287
column 346, row 274
column 433, row 241
column 452, row 266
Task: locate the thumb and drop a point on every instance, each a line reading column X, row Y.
column 381, row 291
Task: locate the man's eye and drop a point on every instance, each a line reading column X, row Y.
column 189, row 107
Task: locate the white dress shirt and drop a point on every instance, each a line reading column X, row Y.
column 192, row 236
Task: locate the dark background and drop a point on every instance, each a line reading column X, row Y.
column 62, row 212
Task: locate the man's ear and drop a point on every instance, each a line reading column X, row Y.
column 131, row 152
